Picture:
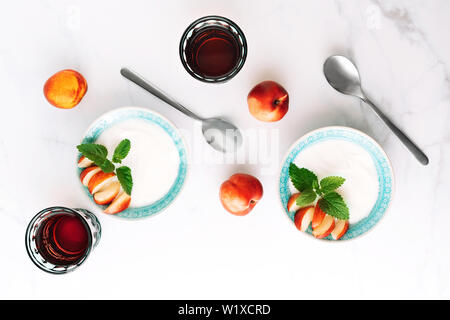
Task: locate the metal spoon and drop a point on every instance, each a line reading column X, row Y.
column 219, row 134
column 343, row 75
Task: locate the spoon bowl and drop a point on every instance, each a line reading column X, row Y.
column 343, row 75
column 221, row 135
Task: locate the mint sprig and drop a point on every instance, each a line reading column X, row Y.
column 107, row 166
column 98, row 154
column 94, row 152
column 306, row 197
column 125, row 179
column 330, row 184
column 301, row 178
column 307, row 183
column 333, row 204
column 121, row 151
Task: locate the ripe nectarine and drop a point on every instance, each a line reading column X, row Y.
column 268, row 101
column 240, row 193
column 65, row 89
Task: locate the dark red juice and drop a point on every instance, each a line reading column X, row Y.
column 62, row 239
column 213, row 51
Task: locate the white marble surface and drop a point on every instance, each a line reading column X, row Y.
column 195, row 249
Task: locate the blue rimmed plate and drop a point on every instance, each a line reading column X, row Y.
column 380, row 161
column 129, row 113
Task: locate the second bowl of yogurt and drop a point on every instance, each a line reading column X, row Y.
column 353, row 155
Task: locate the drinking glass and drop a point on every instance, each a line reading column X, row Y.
column 58, row 239
column 213, row 49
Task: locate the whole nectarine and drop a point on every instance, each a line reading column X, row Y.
column 65, row 89
column 240, row 193
column 268, row 101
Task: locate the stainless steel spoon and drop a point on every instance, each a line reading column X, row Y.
column 343, row 75
column 220, row 134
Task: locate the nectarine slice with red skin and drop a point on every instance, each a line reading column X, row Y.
column 319, row 215
column 325, row 228
column 240, row 193
column 119, row 204
column 292, row 203
column 99, row 180
column 107, row 194
column 340, row 229
column 268, row 101
column 87, row 174
column 303, row 217
column 65, row 89
column 84, row 162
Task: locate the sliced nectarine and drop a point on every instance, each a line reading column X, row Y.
column 292, row 203
column 319, row 215
column 84, row 162
column 325, row 228
column 340, row 229
column 99, row 180
column 119, row 204
column 87, row 174
column 303, row 218
column 107, row 193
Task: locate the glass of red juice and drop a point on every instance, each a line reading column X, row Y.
column 59, row 239
column 213, row 49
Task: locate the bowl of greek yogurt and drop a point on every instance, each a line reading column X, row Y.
column 348, row 153
column 157, row 157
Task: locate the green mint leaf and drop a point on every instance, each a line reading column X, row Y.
column 333, row 204
column 121, row 151
column 316, row 188
column 107, row 166
column 125, row 179
column 306, row 197
column 302, row 179
column 94, row 152
column 330, row 184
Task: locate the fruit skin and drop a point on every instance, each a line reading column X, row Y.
column 107, row 194
column 319, row 215
column 325, row 228
column 292, row 204
column 340, row 229
column 240, row 193
column 65, row 89
column 84, row 162
column 302, row 214
column 98, row 179
column 87, row 174
column 119, row 204
column 268, row 101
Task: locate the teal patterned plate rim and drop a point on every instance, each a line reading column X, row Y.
column 380, row 159
column 126, row 113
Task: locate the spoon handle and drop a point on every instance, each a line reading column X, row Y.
column 133, row 77
column 423, row 159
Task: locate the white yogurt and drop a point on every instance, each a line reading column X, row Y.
column 153, row 158
column 350, row 161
